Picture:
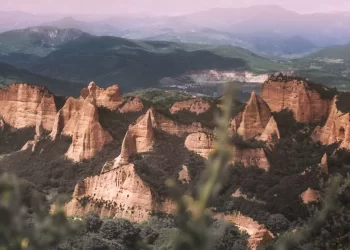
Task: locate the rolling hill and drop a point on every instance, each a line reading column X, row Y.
column 140, row 64
column 330, row 65
column 10, row 74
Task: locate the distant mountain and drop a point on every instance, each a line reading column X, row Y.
column 95, row 28
column 10, row 74
column 23, row 47
column 140, row 64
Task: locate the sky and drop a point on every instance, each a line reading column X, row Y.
column 163, row 7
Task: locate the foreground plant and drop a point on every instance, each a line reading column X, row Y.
column 24, row 219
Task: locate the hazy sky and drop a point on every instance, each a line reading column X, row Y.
column 166, row 7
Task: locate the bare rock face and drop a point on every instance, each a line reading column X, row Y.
column 139, row 138
column 324, row 164
column 117, row 193
column 271, row 132
column 184, row 176
column 24, row 105
column 200, row 142
column 297, row 95
column 336, row 129
column 2, row 124
column 132, row 104
column 259, row 235
column 310, row 195
column 250, row 157
column 197, row 105
column 79, row 119
column 255, row 117
column 109, row 98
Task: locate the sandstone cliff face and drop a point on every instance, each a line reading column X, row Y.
column 271, row 132
column 117, row 193
column 200, row 142
column 255, row 117
column 24, row 105
column 197, row 105
column 259, row 235
column 250, row 157
column 296, row 95
column 336, row 129
column 109, row 98
column 324, row 164
column 79, row 119
column 132, row 104
column 139, row 138
column 310, row 195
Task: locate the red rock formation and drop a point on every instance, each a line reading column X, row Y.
column 117, row 193
column 2, row 124
column 255, row 117
column 259, row 235
column 336, row 129
column 109, row 98
column 133, row 104
column 24, row 105
column 139, row 138
column 271, row 132
column 296, row 95
column 324, row 164
column 197, row 105
column 79, row 119
column 310, row 195
column 184, row 176
column 200, row 142
column 250, row 157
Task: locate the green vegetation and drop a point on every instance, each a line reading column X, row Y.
column 10, row 74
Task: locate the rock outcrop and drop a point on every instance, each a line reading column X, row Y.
column 254, row 118
column 119, row 193
column 79, row 119
column 324, row 164
column 138, row 139
column 24, row 105
column 132, row 104
column 271, row 132
column 200, row 142
column 250, row 157
column 2, row 124
column 259, row 235
column 109, row 98
column 310, row 195
column 184, row 176
column 196, row 105
column 296, row 94
column 336, row 129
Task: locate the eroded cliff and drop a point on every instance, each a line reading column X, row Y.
column 196, row 105
column 79, row 119
column 25, row 105
column 309, row 102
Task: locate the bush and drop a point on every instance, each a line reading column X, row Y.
column 92, row 222
column 277, row 223
column 121, row 230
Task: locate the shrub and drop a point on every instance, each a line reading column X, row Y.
column 92, row 222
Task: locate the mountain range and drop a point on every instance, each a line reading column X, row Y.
column 245, row 27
